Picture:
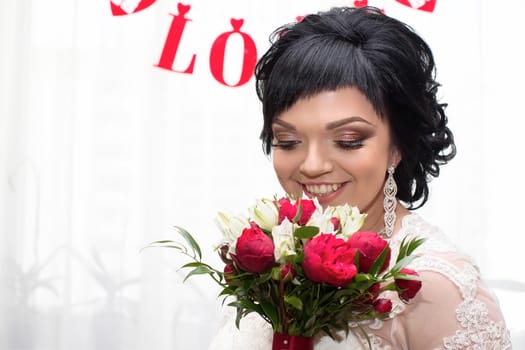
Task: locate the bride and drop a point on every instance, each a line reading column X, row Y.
column 351, row 116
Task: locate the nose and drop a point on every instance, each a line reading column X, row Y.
column 316, row 162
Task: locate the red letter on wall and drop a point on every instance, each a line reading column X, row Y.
column 123, row 8
column 173, row 40
column 217, row 55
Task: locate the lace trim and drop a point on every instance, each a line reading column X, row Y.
column 478, row 331
column 413, row 226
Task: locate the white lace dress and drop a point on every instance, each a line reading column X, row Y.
column 453, row 310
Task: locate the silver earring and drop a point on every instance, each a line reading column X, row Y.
column 390, row 202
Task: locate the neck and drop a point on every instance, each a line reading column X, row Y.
column 375, row 216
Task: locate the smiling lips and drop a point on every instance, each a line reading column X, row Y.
column 322, row 190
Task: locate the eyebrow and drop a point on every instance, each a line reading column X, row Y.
column 285, row 124
column 353, row 119
column 329, row 126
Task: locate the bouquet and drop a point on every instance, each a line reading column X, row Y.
column 304, row 269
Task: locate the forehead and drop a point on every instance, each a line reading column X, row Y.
column 327, row 107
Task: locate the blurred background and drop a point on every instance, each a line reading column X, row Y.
column 110, row 136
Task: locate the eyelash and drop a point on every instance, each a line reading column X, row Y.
column 348, row 145
column 286, row 145
column 345, row 145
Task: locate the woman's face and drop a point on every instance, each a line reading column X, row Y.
column 335, row 147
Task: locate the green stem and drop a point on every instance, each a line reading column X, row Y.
column 284, row 317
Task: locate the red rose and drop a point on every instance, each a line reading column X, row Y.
column 328, row 259
column 229, row 272
column 289, row 210
column 383, row 305
column 336, row 222
column 254, row 250
column 408, row 288
column 369, row 245
column 286, row 210
column 288, row 272
column 307, row 209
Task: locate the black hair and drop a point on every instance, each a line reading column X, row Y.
column 381, row 56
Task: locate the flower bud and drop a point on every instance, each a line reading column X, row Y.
column 408, row 288
column 229, row 272
column 382, row 306
column 336, row 222
column 288, row 272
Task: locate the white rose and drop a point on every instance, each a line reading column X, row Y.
column 265, row 214
column 283, row 240
column 322, row 220
column 350, row 219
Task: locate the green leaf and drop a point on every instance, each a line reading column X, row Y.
column 298, row 213
column 200, row 270
column 414, row 244
column 406, row 249
column 298, row 258
column 270, row 312
column 193, row 264
column 378, row 263
column 402, row 263
column 366, row 336
column 191, row 241
column 361, row 277
column 294, row 301
column 404, row 276
column 306, row 232
column 275, row 273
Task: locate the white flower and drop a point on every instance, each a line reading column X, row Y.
column 322, row 220
column 350, row 219
column 265, row 214
column 283, row 240
column 231, row 228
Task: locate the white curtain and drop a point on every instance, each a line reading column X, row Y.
column 102, row 152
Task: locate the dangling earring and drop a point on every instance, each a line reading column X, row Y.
column 390, row 202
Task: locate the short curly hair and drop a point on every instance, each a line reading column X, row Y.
column 381, row 56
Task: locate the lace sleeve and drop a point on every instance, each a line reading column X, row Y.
column 454, row 309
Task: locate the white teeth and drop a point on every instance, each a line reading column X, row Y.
column 322, row 190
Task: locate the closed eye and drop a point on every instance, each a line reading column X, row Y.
column 286, row 145
column 347, row 145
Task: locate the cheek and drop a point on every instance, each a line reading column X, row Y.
column 368, row 167
column 285, row 167
column 281, row 166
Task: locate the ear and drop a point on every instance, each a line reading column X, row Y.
column 395, row 156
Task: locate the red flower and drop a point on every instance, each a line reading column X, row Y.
column 254, row 250
column 288, row 272
column 229, row 272
column 383, row 305
column 289, row 210
column 408, row 288
column 286, row 210
column 369, row 245
column 336, row 222
column 328, row 259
